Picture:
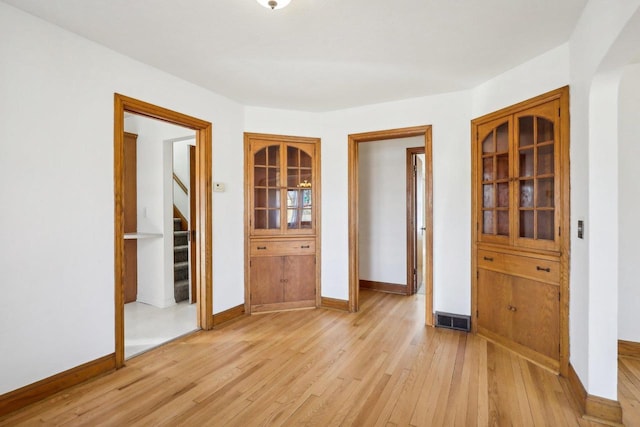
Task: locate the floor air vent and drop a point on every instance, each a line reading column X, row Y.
column 453, row 321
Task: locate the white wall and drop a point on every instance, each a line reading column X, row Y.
column 539, row 75
column 629, row 205
column 57, row 99
column 596, row 48
column 383, row 209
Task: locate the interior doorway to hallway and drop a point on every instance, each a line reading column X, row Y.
column 152, row 225
column 358, row 142
column 157, row 288
column 416, row 221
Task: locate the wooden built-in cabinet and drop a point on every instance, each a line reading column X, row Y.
column 282, row 205
column 520, row 250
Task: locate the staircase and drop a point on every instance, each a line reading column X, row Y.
column 180, row 262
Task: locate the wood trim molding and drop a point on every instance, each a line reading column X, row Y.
column 629, row 349
column 594, row 408
column 392, row 288
column 603, row 411
column 334, row 303
column 578, row 390
column 16, row 399
column 178, row 181
column 203, row 227
column 353, row 142
column 228, row 315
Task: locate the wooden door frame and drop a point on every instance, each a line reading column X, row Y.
column 412, row 219
column 204, row 260
column 354, row 141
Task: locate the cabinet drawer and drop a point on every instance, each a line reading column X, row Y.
column 532, row 268
column 283, row 247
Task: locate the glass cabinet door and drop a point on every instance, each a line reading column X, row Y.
column 283, row 198
column 536, row 137
column 517, row 183
column 266, row 187
column 494, row 173
column 299, row 189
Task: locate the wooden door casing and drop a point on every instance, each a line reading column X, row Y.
column 204, row 224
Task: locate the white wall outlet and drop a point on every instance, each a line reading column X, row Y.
column 218, row 187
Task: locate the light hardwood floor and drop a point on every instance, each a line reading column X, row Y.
column 321, row 367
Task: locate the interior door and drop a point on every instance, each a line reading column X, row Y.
column 192, row 221
column 130, row 218
column 421, row 241
column 416, row 230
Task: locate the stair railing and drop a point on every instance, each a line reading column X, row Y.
column 180, row 184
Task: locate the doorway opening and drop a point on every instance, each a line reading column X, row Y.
column 355, row 238
column 184, row 209
column 416, row 221
column 201, row 226
column 157, row 293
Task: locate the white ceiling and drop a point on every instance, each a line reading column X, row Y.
column 320, row 55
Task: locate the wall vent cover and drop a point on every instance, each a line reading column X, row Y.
column 458, row 322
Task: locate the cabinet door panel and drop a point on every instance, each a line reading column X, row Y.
column 300, row 185
column 493, row 176
column 266, row 198
column 537, row 171
column 266, row 280
column 300, row 278
column 536, row 316
column 494, row 299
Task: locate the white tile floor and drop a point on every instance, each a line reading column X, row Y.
column 146, row 326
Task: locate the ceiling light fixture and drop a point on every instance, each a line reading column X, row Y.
column 274, row 4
